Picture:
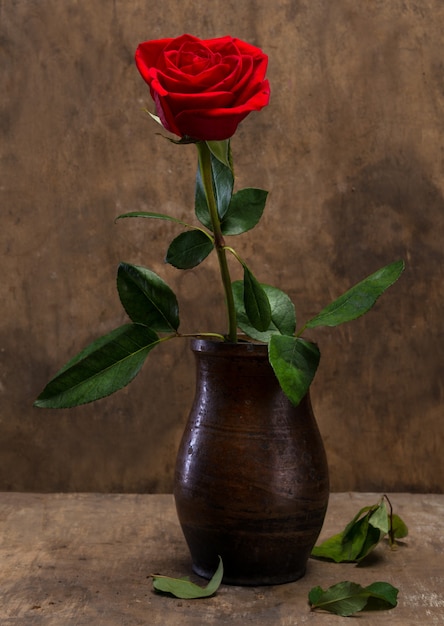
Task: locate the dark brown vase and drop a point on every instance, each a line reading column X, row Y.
column 251, row 480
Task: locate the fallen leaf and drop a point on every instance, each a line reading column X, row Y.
column 346, row 598
column 184, row 589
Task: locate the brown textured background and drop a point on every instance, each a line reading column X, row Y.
column 351, row 149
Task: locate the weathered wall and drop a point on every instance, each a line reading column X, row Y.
column 351, row 150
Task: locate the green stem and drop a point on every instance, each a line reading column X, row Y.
column 219, row 243
column 391, row 533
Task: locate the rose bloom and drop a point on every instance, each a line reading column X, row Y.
column 203, row 88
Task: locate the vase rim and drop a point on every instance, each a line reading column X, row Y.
column 217, row 347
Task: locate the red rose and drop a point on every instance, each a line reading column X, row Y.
column 203, row 88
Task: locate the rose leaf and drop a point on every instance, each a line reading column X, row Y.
column 152, row 215
column 348, row 545
column 244, row 212
column 294, row 362
column 382, row 596
column 189, row 249
column 346, row 598
column 256, row 303
column 223, row 181
column 351, row 546
column 399, row 527
column 359, row 299
column 379, row 518
column 200, row 202
column 105, row 366
column 361, row 535
column 186, row 590
column 147, row 299
column 221, row 150
column 283, row 318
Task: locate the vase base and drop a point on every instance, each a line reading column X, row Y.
column 252, row 580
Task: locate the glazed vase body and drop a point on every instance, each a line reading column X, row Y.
column 251, row 478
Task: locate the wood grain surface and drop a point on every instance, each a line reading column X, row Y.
column 86, row 560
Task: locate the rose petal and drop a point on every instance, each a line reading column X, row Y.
column 204, row 88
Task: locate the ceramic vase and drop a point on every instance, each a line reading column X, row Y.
column 251, row 477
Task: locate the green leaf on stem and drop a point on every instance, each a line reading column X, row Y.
column 201, row 204
column 362, row 538
column 333, row 549
column 283, row 318
column 379, row 518
column 361, row 535
column 256, row 303
column 189, row 249
column 368, row 510
column 346, row 598
column 186, row 590
column 294, row 362
column 359, row 299
column 354, row 543
column 147, row 299
column 105, row 366
column 152, row 215
column 399, row 528
column 223, row 181
column 222, row 151
column 244, row 212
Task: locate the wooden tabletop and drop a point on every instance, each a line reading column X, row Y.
column 86, row 559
